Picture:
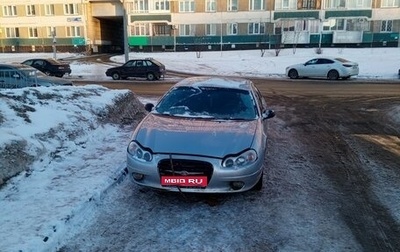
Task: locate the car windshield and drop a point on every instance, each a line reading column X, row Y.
column 208, row 102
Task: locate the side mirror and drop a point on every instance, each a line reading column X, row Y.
column 268, row 114
column 149, row 107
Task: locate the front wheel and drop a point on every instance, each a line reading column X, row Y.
column 333, row 75
column 151, row 76
column 259, row 184
column 293, row 74
column 116, row 76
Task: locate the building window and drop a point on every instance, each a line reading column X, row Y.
column 186, row 6
column 33, row 32
column 50, row 30
column 232, row 5
column 232, row 29
column 10, row 10
column 30, row 10
column 211, row 29
column 386, row 25
column 309, row 4
column 334, row 25
column 256, row 28
column 70, row 9
column 390, row 3
column 256, row 4
column 186, row 30
column 334, row 4
column 161, row 5
column 161, row 30
column 140, row 29
column 73, row 31
column 138, row 6
column 359, row 4
column 287, row 4
column 12, row 32
column 49, row 9
column 210, row 6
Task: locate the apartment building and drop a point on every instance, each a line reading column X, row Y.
column 154, row 25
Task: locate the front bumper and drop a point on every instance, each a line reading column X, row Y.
column 221, row 180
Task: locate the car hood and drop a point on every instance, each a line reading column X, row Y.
column 48, row 81
column 165, row 134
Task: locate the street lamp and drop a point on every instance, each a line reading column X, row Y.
column 54, row 44
column 125, row 24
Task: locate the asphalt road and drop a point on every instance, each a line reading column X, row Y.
column 333, row 163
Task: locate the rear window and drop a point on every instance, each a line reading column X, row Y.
column 342, row 60
column 158, row 63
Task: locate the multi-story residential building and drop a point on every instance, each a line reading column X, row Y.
column 105, row 25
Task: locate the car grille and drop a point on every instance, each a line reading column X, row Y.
column 183, row 167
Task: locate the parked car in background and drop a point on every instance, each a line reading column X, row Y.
column 19, row 76
column 331, row 68
column 150, row 69
column 49, row 67
column 205, row 135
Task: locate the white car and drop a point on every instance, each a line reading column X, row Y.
column 331, row 68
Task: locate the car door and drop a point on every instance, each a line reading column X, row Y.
column 141, row 68
column 40, row 65
column 129, row 69
column 323, row 67
column 309, row 68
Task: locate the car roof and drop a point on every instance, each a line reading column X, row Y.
column 151, row 59
column 214, row 81
column 51, row 60
column 18, row 66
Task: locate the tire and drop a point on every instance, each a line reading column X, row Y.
column 116, row 76
column 333, row 75
column 293, row 74
column 259, row 185
column 151, row 76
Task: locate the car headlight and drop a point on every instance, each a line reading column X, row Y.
column 138, row 152
column 243, row 159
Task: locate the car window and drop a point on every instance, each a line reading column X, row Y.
column 312, row 62
column 130, row 63
column 139, row 63
column 342, row 60
column 38, row 63
column 28, row 62
column 148, row 63
column 325, row 61
column 208, row 102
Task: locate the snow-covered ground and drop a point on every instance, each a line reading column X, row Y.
column 375, row 63
column 64, row 131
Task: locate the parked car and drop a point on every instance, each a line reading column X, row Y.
column 331, row 68
column 205, row 135
column 49, row 67
column 150, row 69
column 19, row 76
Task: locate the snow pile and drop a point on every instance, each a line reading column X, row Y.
column 66, row 143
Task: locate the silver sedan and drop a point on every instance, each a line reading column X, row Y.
column 205, row 135
column 330, row 68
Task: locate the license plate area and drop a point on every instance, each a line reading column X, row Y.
column 184, row 181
